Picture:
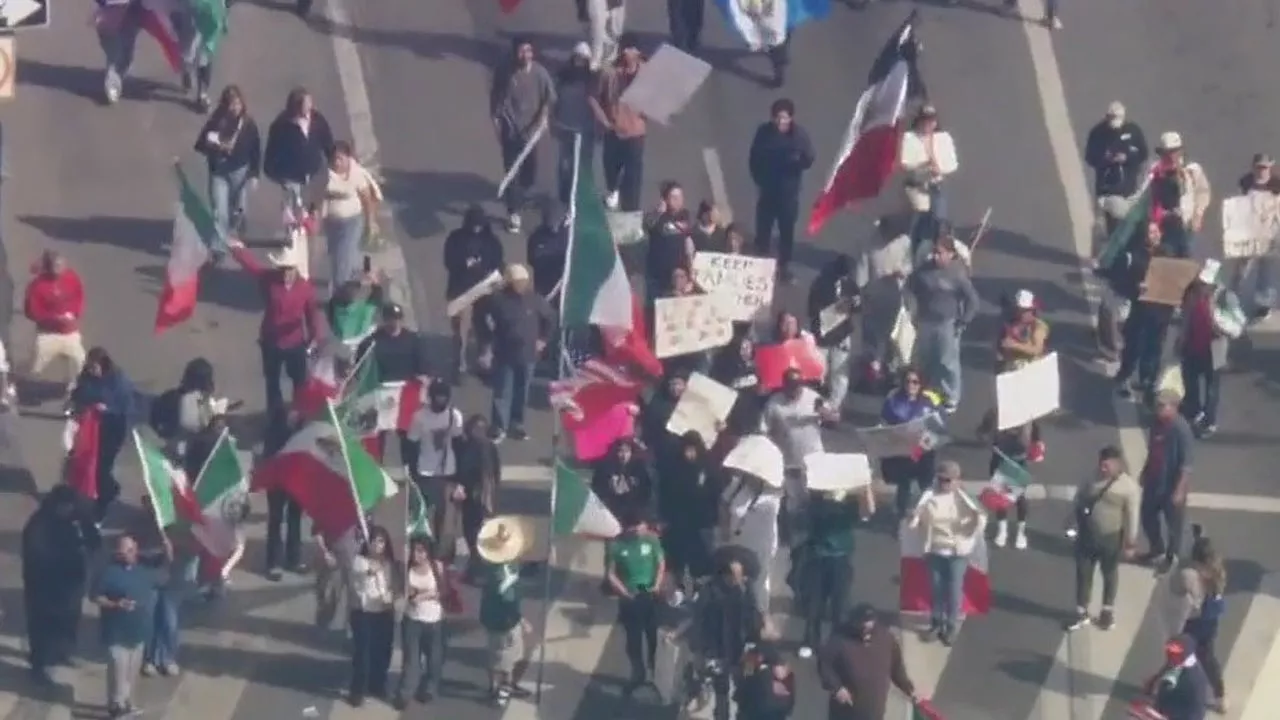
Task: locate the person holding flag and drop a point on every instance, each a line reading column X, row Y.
column 1010, row 476
column 951, row 525
column 927, row 157
column 353, row 310
column 374, row 578
column 103, row 386
column 909, row 402
column 433, row 434
column 394, row 355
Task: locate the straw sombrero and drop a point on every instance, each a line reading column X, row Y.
column 504, row 539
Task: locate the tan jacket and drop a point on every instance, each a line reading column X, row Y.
column 627, row 122
column 969, row 524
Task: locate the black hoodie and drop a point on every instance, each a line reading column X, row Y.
column 471, row 253
column 293, row 156
column 834, row 282
column 626, row 490
column 545, row 252
column 777, row 160
column 728, row 618
column 730, row 369
column 688, row 490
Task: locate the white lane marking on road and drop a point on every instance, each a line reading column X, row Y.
column 715, row 175
column 355, row 93
column 1254, row 661
column 1066, row 154
column 213, row 696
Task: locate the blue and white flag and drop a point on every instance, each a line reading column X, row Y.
column 766, row 23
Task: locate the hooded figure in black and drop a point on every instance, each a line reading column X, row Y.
column 545, row 251
column 471, row 254
column 56, row 544
column 689, row 507
column 735, row 366
column 834, row 283
column 621, row 481
column 857, row 665
column 727, row 618
column 654, row 417
column 767, row 687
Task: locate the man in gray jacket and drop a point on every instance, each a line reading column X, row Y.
column 520, row 102
column 1106, row 521
column 945, row 303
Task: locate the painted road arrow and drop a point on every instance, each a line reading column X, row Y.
column 13, row 13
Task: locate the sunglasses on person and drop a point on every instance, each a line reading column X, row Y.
column 913, row 381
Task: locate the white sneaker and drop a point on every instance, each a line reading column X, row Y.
column 1002, row 533
column 805, row 652
column 611, row 200
column 1020, row 537
column 677, row 598
column 513, row 223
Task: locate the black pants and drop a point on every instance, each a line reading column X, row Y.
column 1205, row 633
column 112, row 433
column 371, row 637
column 639, row 618
column 283, row 511
column 422, row 645
column 685, row 18
column 293, row 362
column 908, row 475
column 1156, row 506
column 1095, row 553
column 624, row 169
column 1143, row 348
column 687, row 548
column 781, row 211
column 827, row 581
column 1201, row 381
column 519, row 187
column 723, row 684
column 53, row 622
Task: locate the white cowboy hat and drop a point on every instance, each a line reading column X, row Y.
column 504, row 539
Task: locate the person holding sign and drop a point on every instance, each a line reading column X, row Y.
column 824, row 562
column 735, row 367
column 1025, row 338
column 1145, row 328
column 471, row 254
column 794, row 418
column 1262, row 179
column 833, row 299
column 908, row 402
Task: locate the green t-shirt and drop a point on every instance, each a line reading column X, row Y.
column 354, row 319
column 500, row 599
column 831, row 527
column 636, row 559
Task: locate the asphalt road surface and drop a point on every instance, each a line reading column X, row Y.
column 407, row 83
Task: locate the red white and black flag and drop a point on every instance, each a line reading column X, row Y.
column 869, row 153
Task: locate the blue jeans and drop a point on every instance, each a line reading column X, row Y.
column 510, row 393
column 1201, row 381
column 926, row 226
column 162, row 645
column 946, row 581
column 228, row 193
column 118, row 46
column 938, row 355
column 342, row 240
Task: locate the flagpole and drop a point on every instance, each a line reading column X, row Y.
column 561, row 371
column 346, row 461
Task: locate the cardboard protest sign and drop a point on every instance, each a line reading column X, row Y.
column 745, row 282
column 1028, row 393
column 665, row 84
column 1167, row 280
column 774, row 360
column 474, row 293
column 702, row 408
column 1251, row 225
column 689, row 324
column 837, row 472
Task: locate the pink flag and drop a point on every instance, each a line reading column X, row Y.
column 592, row 440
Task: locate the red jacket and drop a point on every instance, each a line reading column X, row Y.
column 50, row 298
column 292, row 316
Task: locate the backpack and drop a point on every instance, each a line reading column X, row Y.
column 164, row 412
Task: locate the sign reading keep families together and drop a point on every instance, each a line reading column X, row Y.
column 1251, row 225
column 745, row 283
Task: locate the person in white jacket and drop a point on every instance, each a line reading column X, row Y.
column 1181, row 187
column 951, row 524
column 927, row 156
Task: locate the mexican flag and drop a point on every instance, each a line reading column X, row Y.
column 1007, row 484
column 577, row 510
column 590, row 392
column 417, row 516
column 933, row 434
column 193, row 233
column 596, row 290
column 173, row 500
column 81, row 441
column 326, row 471
column 222, row 492
column 914, row 593
column 1134, row 220
column 354, row 322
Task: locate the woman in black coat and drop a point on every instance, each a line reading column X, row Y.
column 299, row 146
column 56, row 544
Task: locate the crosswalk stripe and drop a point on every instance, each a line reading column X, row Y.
column 1254, row 660
column 925, row 661
column 209, row 695
column 1096, row 658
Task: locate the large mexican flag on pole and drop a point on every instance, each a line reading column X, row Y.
column 174, row 501
column 596, row 290
column 222, row 491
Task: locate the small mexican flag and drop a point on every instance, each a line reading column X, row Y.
column 222, row 492
column 1007, row 484
column 326, row 471
column 577, row 510
column 173, row 500
column 417, row 519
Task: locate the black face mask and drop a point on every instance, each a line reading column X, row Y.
column 439, row 404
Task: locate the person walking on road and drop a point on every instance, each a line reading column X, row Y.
column 348, row 202
column 951, row 524
column 232, row 148
column 125, row 595
column 1198, row 588
column 117, row 23
column 857, row 666
column 521, row 323
column 472, row 253
column 946, row 303
column 502, row 542
column 1116, row 149
column 299, row 145
column 102, row 385
column 54, row 301
column 781, row 152
column 520, row 103
column 399, row 356
column 574, row 116
column 1105, row 526
column 623, row 145
column 1166, row 481
column 291, row 323
column 197, row 71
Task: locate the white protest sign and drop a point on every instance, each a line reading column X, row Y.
column 757, row 456
column 890, row 441
column 1251, row 225
column 665, row 84
column 1028, row 393
column 830, row 317
column 689, row 324
column 746, row 283
column 474, row 293
column 703, row 407
column 627, row 228
column 837, row 472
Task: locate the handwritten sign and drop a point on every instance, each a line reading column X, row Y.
column 689, row 324
column 1028, row 393
column 703, row 406
column 1167, row 280
column 745, row 282
column 837, row 472
column 1251, row 225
